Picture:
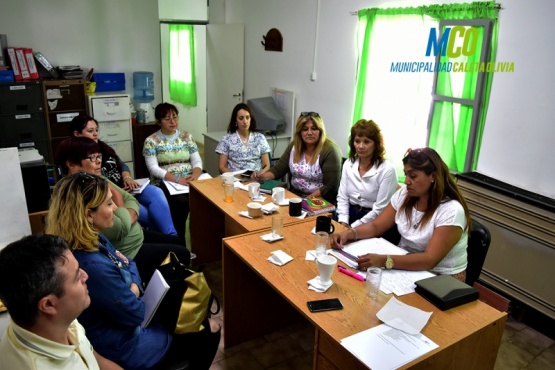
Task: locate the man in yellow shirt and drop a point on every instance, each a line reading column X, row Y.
column 44, row 290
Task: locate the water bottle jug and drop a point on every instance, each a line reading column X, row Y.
column 143, row 87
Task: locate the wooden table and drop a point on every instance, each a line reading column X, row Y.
column 212, row 219
column 260, row 297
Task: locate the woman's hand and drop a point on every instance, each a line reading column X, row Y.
column 188, row 179
column 371, row 259
column 122, row 257
column 135, row 289
column 340, row 239
column 129, row 184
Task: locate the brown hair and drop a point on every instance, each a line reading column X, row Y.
column 371, row 130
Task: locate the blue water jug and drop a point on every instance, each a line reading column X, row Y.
column 143, row 87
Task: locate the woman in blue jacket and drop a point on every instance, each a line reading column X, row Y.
column 81, row 207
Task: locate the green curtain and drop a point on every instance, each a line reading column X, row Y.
column 182, row 84
column 450, row 141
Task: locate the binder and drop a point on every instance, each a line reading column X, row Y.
column 30, row 59
column 46, row 64
column 13, row 62
column 22, row 63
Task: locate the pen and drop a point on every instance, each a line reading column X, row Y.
column 351, row 274
column 348, row 255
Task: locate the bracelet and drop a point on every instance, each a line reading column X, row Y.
column 126, row 177
column 177, row 177
column 354, row 232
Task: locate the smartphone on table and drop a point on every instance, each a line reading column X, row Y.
column 247, row 173
column 324, row 305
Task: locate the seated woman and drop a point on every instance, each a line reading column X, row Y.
column 81, row 209
column 172, row 155
column 368, row 180
column 312, row 160
column 242, row 148
column 154, row 209
column 147, row 247
column 431, row 216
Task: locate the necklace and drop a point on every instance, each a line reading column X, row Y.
column 243, row 140
column 115, row 260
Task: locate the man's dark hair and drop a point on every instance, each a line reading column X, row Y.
column 28, row 273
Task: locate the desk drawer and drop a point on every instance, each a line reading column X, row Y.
column 111, row 108
column 123, row 149
column 114, row 130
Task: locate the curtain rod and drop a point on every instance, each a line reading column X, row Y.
column 497, row 6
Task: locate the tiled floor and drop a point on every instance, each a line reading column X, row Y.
column 291, row 348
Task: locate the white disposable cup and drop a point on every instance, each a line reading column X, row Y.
column 373, row 280
column 254, row 190
column 278, row 195
column 255, row 209
column 228, row 178
column 321, row 240
column 326, row 266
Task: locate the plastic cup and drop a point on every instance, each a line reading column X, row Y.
column 277, row 226
column 228, row 192
column 373, row 280
column 321, row 243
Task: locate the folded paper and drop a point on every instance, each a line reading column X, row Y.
column 279, row 258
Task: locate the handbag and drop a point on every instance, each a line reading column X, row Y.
column 187, row 304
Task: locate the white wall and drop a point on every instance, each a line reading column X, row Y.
column 515, row 146
column 123, row 36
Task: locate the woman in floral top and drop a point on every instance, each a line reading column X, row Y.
column 242, row 148
column 172, row 155
column 313, row 160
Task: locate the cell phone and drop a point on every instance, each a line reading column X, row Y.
column 247, row 173
column 324, row 305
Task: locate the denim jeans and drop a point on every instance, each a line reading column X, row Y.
column 155, row 211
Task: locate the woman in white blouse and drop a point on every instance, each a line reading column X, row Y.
column 368, row 180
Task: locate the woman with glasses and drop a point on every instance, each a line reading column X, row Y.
column 148, row 248
column 368, row 180
column 431, row 216
column 312, row 160
column 81, row 210
column 172, row 155
column 242, row 148
column 154, row 209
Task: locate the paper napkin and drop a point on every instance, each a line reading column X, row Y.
column 315, row 285
column 237, row 184
column 303, row 215
column 259, row 198
column 245, row 214
column 269, row 208
column 270, row 238
column 280, row 258
column 403, row 317
column 284, row 202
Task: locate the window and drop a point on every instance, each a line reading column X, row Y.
column 401, row 86
column 182, row 83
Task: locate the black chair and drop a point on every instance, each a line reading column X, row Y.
column 479, row 240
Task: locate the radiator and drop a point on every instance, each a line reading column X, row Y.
column 521, row 258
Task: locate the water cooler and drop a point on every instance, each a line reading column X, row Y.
column 143, row 95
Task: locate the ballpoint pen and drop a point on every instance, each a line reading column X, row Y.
column 350, row 273
column 348, row 255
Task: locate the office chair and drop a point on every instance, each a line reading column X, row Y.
column 479, row 240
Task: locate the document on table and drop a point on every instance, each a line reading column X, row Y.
column 174, row 188
column 383, row 347
column 399, row 282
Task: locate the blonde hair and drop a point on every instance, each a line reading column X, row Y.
column 72, row 197
column 298, row 142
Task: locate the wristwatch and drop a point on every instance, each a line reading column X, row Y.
column 389, row 262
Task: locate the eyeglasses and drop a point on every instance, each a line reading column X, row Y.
column 169, row 118
column 309, row 114
column 94, row 158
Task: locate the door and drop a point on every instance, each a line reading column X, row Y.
column 225, row 44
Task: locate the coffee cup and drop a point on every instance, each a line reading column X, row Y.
column 278, row 195
column 254, row 190
column 228, row 178
column 255, row 209
column 323, row 223
column 295, row 207
column 326, row 266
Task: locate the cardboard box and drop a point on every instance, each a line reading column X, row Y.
column 109, row 81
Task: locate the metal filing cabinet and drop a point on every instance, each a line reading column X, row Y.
column 22, row 119
column 65, row 99
column 113, row 114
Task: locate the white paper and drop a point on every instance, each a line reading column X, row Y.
column 280, row 258
column 154, row 293
column 142, row 185
column 315, row 285
column 383, row 347
column 174, row 188
column 245, row 214
column 401, row 316
column 269, row 208
column 270, row 237
column 284, row 202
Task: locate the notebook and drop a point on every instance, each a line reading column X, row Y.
column 154, row 293
column 268, row 185
column 316, row 206
column 142, row 185
column 446, row 292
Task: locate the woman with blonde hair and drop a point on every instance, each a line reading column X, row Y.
column 431, row 215
column 312, row 160
column 81, row 208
